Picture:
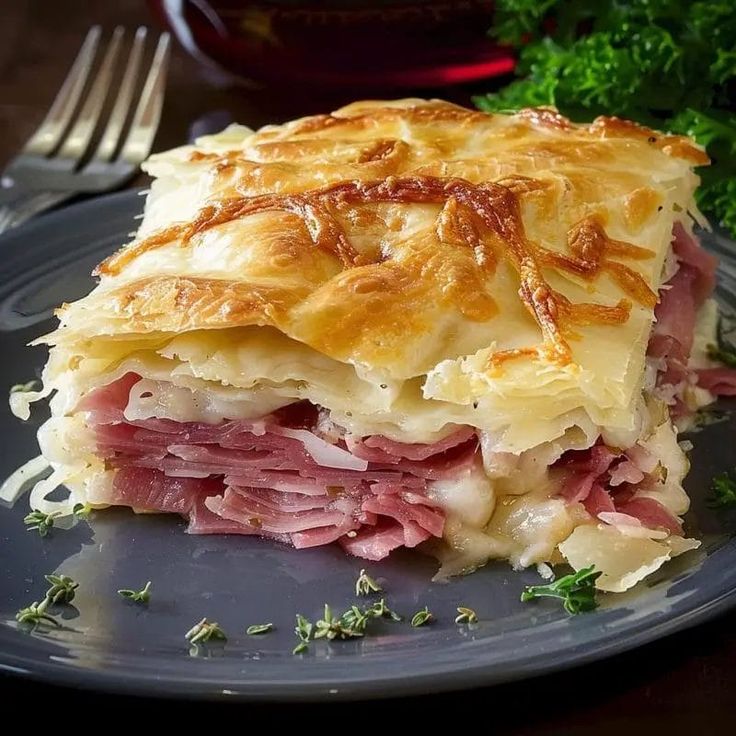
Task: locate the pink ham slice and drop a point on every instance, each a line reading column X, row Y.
column 672, row 337
column 598, row 501
column 626, row 471
column 690, row 254
column 651, row 514
column 719, row 381
column 604, row 482
column 204, row 521
column 274, row 477
column 151, row 490
column 375, row 544
column 383, row 450
column 582, row 468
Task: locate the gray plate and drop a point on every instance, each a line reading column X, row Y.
column 107, row 643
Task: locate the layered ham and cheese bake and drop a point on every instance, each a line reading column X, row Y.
column 403, row 324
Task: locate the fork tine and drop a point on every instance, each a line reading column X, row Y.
column 119, row 113
column 80, row 135
column 49, row 133
column 148, row 113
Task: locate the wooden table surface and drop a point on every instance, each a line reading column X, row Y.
column 684, row 683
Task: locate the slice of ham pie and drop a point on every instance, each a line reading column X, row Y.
column 403, row 324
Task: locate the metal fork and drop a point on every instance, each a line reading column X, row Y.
column 55, row 164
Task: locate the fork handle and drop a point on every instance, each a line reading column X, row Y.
column 18, row 205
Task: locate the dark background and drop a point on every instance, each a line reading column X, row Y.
column 683, row 684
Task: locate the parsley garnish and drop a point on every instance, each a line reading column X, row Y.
column 724, row 355
column 256, row 629
column 466, row 616
column 62, row 588
column 40, row 522
column 668, row 65
column 576, row 591
column 137, row 596
column 422, row 618
column 205, row 631
column 365, row 584
column 723, row 492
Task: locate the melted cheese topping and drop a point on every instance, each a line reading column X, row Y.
column 409, row 265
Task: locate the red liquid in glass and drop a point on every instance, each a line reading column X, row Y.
column 341, row 43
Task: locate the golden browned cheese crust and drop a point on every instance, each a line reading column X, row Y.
column 356, row 232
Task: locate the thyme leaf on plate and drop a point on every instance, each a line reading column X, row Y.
column 300, row 648
column 256, row 629
column 381, row 610
column 82, row 510
column 36, row 614
column 40, row 522
column 62, row 588
column 365, row 584
column 422, row 618
column 576, row 591
column 137, row 596
column 332, row 627
column 466, row 616
column 303, row 631
column 205, row 631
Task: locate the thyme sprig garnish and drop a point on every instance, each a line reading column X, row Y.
column 62, row 589
column 466, row 615
column 40, row 522
column 303, row 631
column 365, row 585
column 62, row 592
column 723, row 492
column 355, row 620
column 36, row 614
column 576, row 591
column 380, row 610
column 351, row 624
column 422, row 618
column 256, row 629
column 137, row 596
column 204, row 632
column 332, row 627
column 82, row 510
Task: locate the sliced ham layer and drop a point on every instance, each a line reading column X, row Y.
column 607, row 481
column 719, row 381
column 276, row 477
column 651, row 514
column 383, row 450
column 671, row 341
column 372, row 543
column 693, row 256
